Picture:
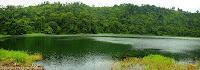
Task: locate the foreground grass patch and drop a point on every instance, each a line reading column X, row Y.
column 152, row 62
column 19, row 57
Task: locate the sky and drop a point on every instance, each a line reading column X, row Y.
column 186, row 5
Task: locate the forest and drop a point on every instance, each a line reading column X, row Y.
column 76, row 18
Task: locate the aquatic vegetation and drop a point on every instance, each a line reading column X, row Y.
column 152, row 62
column 19, row 57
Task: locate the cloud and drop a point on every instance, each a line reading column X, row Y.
column 187, row 5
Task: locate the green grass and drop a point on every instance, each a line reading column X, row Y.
column 2, row 36
column 152, row 62
column 158, row 62
column 34, row 34
column 19, row 57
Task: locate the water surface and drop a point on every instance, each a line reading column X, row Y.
column 94, row 52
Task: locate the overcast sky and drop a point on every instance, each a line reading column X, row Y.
column 186, row 5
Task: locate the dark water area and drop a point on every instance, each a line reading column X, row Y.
column 99, row 53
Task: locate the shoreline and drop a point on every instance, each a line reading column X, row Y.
column 16, row 66
column 19, row 60
column 110, row 35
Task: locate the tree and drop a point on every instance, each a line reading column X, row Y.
column 197, row 11
column 73, row 18
column 18, row 27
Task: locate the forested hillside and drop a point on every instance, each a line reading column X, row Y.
column 73, row 18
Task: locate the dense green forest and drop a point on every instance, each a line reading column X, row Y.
column 74, row 18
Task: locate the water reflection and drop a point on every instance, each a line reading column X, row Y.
column 69, row 53
column 73, row 63
column 169, row 45
column 98, row 53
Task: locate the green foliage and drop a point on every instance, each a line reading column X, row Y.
column 152, row 62
column 18, row 57
column 73, row 18
column 155, row 61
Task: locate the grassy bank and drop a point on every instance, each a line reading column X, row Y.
column 152, row 62
column 18, row 57
column 34, row 34
column 2, row 36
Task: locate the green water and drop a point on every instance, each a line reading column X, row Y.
column 94, row 52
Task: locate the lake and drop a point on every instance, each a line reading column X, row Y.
column 100, row 51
